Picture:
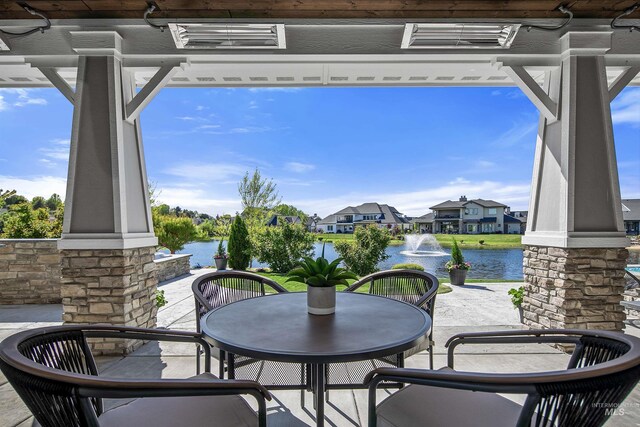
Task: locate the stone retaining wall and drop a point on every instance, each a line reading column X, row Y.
column 172, row 266
column 29, row 271
column 574, row 288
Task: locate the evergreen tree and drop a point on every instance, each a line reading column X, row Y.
column 456, row 254
column 239, row 245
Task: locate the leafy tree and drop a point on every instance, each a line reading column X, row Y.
column 284, row 246
column 23, row 222
column 289, row 210
column 56, row 227
column 4, row 194
column 15, row 199
column 363, row 254
column 163, row 209
column 172, row 232
column 257, row 193
column 54, row 202
column 239, row 245
column 38, row 202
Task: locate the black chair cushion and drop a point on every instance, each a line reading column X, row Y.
column 418, row 405
column 223, row 411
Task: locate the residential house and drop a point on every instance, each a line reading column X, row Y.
column 312, row 223
column 424, row 224
column 474, row 216
column 280, row 219
column 631, row 216
column 522, row 216
column 345, row 220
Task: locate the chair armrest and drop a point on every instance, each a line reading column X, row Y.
column 534, row 336
column 127, row 332
column 472, row 381
column 127, row 388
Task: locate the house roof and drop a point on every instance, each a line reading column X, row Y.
column 450, row 204
column 631, row 209
column 509, row 218
column 388, row 214
column 424, row 218
column 277, row 219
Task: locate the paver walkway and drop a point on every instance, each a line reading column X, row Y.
column 474, row 307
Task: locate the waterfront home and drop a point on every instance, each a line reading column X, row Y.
column 465, row 216
column 345, row 220
column 631, row 216
column 281, row 219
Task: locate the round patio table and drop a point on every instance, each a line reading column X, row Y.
column 277, row 327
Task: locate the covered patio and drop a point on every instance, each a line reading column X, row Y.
column 110, row 58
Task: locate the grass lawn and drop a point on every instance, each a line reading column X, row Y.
column 472, row 241
column 465, row 241
column 299, row 287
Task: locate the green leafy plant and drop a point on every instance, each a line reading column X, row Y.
column 407, row 266
column 481, row 242
column 368, row 248
column 239, row 245
column 221, row 253
column 174, row 232
column 320, row 273
column 282, row 247
column 517, row 296
column 457, row 261
column 161, row 301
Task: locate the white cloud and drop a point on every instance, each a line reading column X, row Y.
column 519, row 132
column 496, row 93
column 298, row 167
column 485, row 164
column 57, row 151
column 35, row 185
column 201, row 107
column 199, row 199
column 626, row 107
column 21, row 98
column 207, row 171
column 253, row 105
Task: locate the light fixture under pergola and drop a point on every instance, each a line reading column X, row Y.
column 459, row 36
column 228, row 36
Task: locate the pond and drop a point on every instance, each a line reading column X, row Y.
column 500, row 264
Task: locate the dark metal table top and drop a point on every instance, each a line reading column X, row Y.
column 278, row 327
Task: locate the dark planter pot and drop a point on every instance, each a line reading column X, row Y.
column 521, row 313
column 221, row 263
column 458, row 277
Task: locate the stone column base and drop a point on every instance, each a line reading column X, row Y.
column 110, row 286
column 574, row 288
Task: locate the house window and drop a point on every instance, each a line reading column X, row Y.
column 466, row 211
column 329, row 227
column 474, row 211
column 492, row 211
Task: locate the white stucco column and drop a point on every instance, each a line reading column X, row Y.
column 574, row 254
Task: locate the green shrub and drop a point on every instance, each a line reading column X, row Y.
column 161, row 301
column 517, row 296
column 174, row 232
column 284, row 246
column 239, row 245
column 363, row 254
column 457, row 261
column 407, row 266
column 24, row 222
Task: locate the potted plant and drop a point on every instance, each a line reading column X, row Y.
column 517, row 295
column 457, row 266
column 221, row 257
column 321, row 278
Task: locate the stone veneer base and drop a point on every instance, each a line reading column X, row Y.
column 574, row 287
column 114, row 286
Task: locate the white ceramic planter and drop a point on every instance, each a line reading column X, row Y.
column 321, row 301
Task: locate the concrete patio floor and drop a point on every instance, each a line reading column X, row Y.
column 474, row 307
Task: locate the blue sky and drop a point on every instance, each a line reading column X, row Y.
column 326, row 148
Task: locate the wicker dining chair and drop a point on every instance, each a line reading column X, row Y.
column 411, row 286
column 219, row 288
column 602, row 371
column 54, row 372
